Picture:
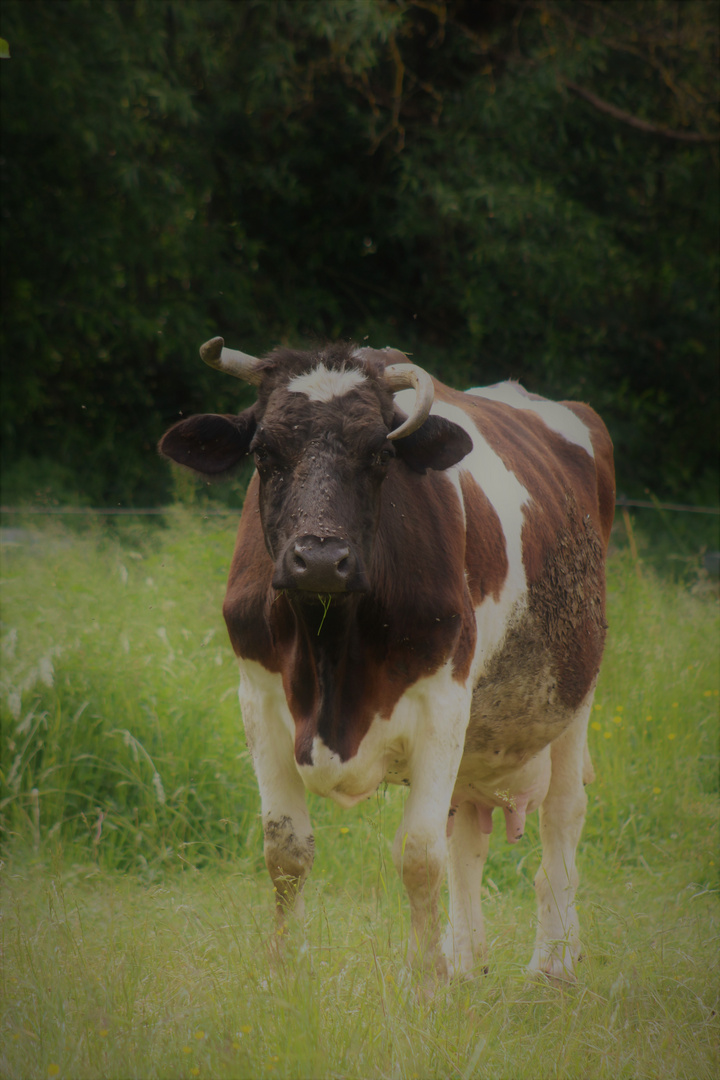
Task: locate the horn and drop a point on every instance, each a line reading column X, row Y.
column 232, row 362
column 410, row 376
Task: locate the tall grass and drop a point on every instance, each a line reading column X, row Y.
column 137, row 937
column 118, row 694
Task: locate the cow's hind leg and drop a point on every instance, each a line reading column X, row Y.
column 468, row 846
column 562, row 814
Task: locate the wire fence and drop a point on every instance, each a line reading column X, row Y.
column 158, row 511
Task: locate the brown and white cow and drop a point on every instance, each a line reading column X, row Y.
column 417, row 599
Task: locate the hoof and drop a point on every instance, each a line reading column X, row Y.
column 555, row 961
column 553, row 971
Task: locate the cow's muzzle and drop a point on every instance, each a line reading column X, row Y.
column 320, row 564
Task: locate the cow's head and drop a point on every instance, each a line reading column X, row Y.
column 325, row 432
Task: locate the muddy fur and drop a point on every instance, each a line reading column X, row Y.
column 550, row 655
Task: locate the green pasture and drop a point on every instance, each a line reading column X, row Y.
column 137, row 933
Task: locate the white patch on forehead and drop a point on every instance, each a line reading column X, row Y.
column 324, row 384
column 555, row 416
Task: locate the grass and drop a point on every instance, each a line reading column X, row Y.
column 137, row 935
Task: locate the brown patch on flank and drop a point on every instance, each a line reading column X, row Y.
column 567, row 602
column 551, row 652
column 485, row 553
column 604, row 464
column 516, row 709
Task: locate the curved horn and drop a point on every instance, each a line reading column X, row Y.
column 232, row 362
column 410, row 376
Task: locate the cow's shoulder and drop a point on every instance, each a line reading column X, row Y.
column 556, row 449
column 249, row 594
column 604, row 462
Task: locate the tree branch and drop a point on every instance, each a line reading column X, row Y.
column 635, row 121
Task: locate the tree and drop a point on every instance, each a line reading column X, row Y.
column 504, row 189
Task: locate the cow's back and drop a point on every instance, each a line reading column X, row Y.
column 557, row 513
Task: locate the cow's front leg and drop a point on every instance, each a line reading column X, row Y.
column 289, row 852
column 420, row 845
column 562, row 814
column 288, row 839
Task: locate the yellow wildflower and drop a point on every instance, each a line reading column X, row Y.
column 671, row 736
column 344, row 829
column 656, row 791
column 246, row 1029
column 199, row 1034
column 187, row 1050
column 595, row 726
column 53, row 1069
column 607, row 735
column 617, row 719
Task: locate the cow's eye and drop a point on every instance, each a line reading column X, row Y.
column 262, row 454
column 383, row 456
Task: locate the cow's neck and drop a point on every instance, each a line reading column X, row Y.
column 325, row 675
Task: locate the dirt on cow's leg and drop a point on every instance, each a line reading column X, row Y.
column 562, row 814
column 289, row 858
column 420, row 858
column 420, row 845
column 464, row 943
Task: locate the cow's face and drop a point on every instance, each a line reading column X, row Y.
column 319, row 435
column 322, row 453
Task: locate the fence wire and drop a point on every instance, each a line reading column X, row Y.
column 157, row 511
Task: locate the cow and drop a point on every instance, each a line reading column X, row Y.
column 416, row 597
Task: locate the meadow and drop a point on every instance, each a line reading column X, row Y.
column 137, row 935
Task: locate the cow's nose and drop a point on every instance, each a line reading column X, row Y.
column 319, row 564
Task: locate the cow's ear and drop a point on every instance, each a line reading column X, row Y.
column 437, row 444
column 209, row 444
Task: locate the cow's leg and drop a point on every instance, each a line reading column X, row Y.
column 468, row 847
column 562, row 814
column 289, row 843
column 288, row 839
column 420, row 845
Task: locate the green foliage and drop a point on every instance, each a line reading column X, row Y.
column 120, row 725
column 106, row 977
column 422, row 174
column 122, row 751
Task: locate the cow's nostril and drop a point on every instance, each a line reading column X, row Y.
column 318, row 564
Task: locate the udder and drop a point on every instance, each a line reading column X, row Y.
column 516, row 791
